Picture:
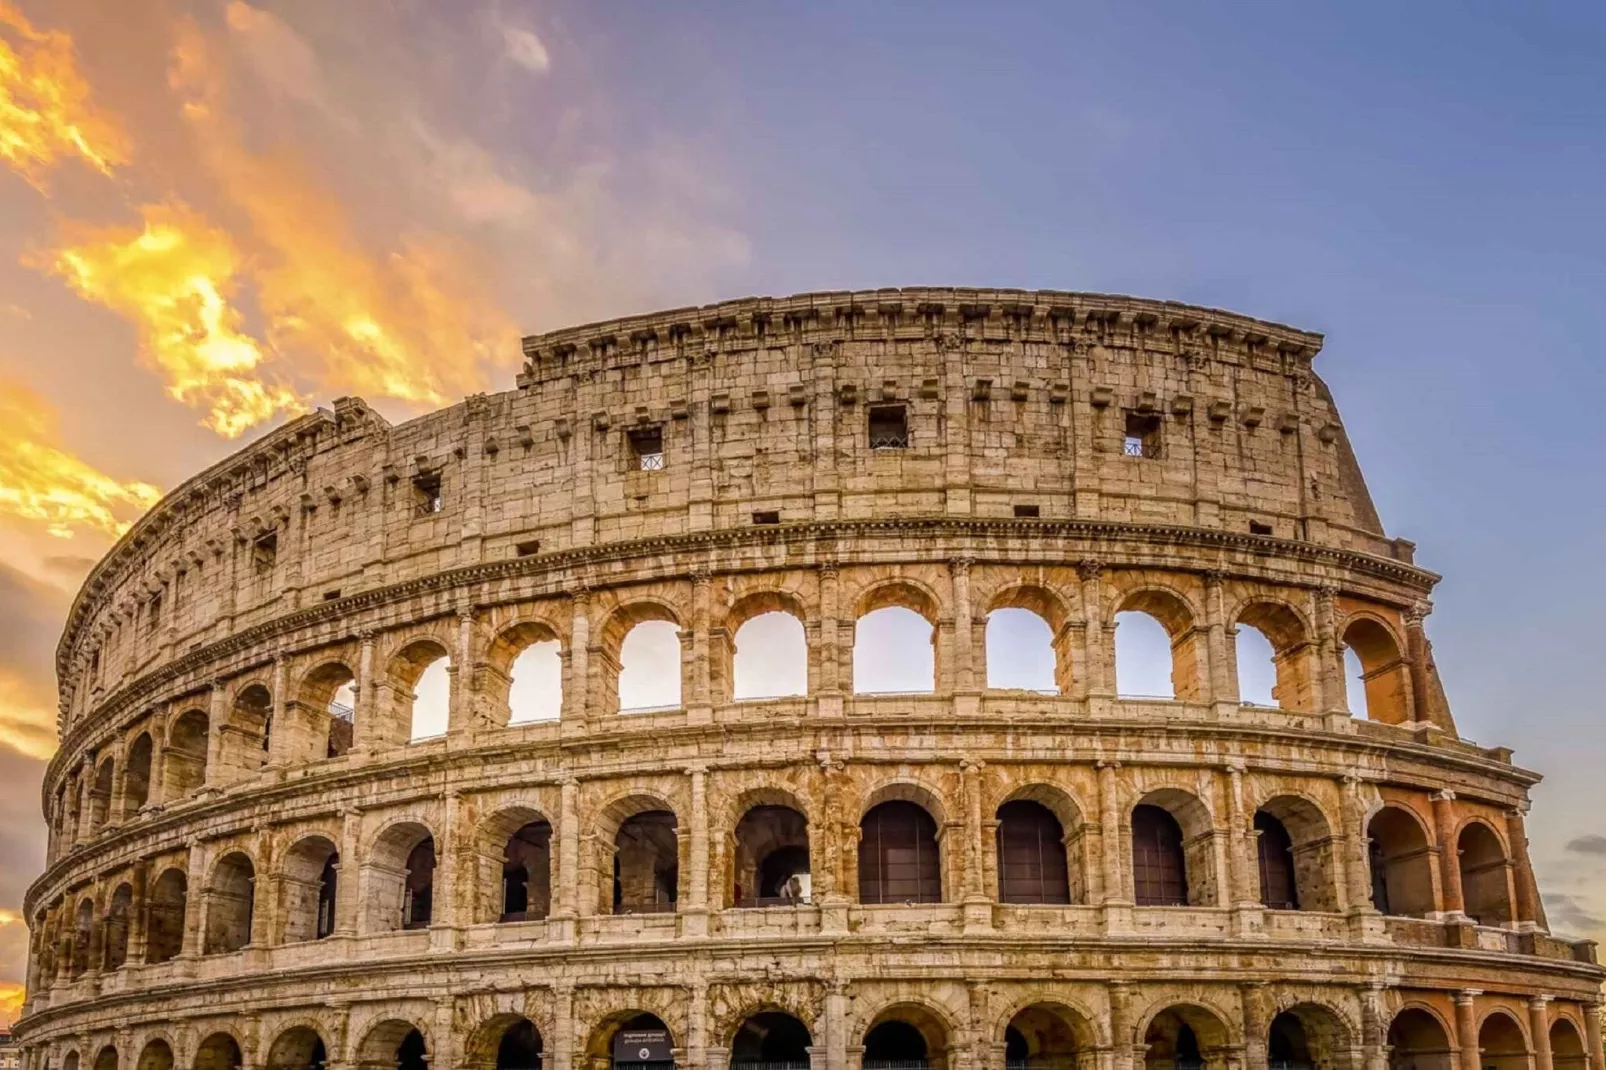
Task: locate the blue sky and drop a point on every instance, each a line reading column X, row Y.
column 1423, row 182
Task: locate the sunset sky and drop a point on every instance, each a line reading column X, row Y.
column 215, row 215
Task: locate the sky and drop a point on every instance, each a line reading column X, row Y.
column 215, row 215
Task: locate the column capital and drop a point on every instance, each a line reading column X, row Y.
column 971, row 766
column 960, row 566
column 1236, row 766
column 1538, row 1002
column 1444, row 795
column 1213, row 577
column 1089, row 568
column 1464, row 996
column 1418, row 612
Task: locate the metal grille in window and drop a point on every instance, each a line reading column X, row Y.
column 1159, row 872
column 1278, row 888
column 889, row 427
column 647, row 443
column 1142, row 438
column 428, row 489
column 898, row 859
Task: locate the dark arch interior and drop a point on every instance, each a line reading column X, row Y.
column 526, row 873
column 646, row 864
column 1275, row 847
column 1031, row 855
column 642, row 1043
column 1287, row 1047
column 419, row 904
column 1040, row 1038
column 771, row 1040
column 1418, row 1042
column 898, row 859
column 410, row 1052
column 520, row 1048
column 895, row 1045
column 1159, row 868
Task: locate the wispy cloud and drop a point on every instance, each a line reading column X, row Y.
column 526, row 49
column 1590, row 844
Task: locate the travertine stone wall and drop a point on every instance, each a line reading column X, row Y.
column 1074, row 455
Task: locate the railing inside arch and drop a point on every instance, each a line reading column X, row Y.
column 342, row 711
column 1042, row 1062
column 762, row 1064
column 643, row 1066
column 897, row 1064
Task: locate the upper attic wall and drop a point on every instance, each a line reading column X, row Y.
column 1012, row 401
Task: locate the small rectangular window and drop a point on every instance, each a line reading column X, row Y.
column 889, row 427
column 331, row 596
column 156, row 612
column 428, row 499
column 265, row 552
column 528, row 549
column 1257, row 528
column 1028, row 512
column 647, row 443
column 1142, row 435
column 767, row 516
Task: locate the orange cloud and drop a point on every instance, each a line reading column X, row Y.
column 174, row 278
column 11, row 996
column 40, row 481
column 45, row 110
column 407, row 325
column 27, row 721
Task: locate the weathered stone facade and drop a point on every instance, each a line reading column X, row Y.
column 241, row 876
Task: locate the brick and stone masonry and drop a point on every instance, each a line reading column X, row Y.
column 254, row 862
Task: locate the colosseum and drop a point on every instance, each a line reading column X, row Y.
column 348, row 779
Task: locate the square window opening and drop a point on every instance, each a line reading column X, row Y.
column 889, row 427
column 767, row 516
column 427, row 497
column 1142, row 437
column 647, row 443
column 265, row 551
column 1257, row 528
column 527, row 549
column 331, row 596
column 1028, row 512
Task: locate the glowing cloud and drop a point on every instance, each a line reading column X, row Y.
column 391, row 325
column 27, row 719
column 39, row 481
column 45, row 110
column 173, row 277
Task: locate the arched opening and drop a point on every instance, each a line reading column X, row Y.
column 898, row 857
column 327, row 699
column 309, row 887
column 253, row 718
column 1020, row 651
column 72, row 1061
column 1032, row 866
column 894, row 652
column 107, row 1059
column 1417, row 1041
column 415, row 693
column 432, row 700
column 220, row 1051
column 1044, row 1037
column 527, row 873
column 184, row 761
column 520, row 1047
column 646, row 864
column 905, row 1037
column 636, row 1042
column 1157, row 654
column 1501, row 1044
column 1402, row 875
column 100, row 795
column 770, row 657
column 83, row 928
column 771, row 1040
column 649, row 667
column 1485, row 875
column 1306, row 858
column 1160, row 862
column 1287, row 1047
column 229, row 904
column 116, row 936
column 164, row 923
column 137, row 775
column 393, row 1044
column 1566, row 1046
column 300, row 1048
column 1275, row 851
column 535, row 687
column 155, row 1055
column 772, row 858
column 1275, row 665
column 1383, row 680
column 398, row 880
column 1182, row 1037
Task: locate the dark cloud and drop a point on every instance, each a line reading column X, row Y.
column 22, row 851
column 1570, row 914
column 1591, row 844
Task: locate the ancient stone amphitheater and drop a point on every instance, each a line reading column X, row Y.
column 267, row 853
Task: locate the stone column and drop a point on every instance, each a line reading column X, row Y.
column 217, row 728
column 194, row 901
column 1539, row 1029
column 1466, row 1028
column 1111, row 861
column 460, row 713
column 1592, row 1040
column 568, row 874
column 1125, row 1047
column 836, row 1027
column 1530, row 908
column 281, row 739
column 577, row 679
column 1448, row 855
column 697, row 1025
column 1416, row 662
column 696, row 907
column 1222, row 682
column 1255, row 1024
column 1374, row 1035
column 365, row 715
column 348, row 874
column 830, row 652
column 1331, row 689
column 1097, row 660
column 563, row 1025
column 965, row 673
column 1240, row 842
column 138, row 929
column 454, row 872
column 1357, row 861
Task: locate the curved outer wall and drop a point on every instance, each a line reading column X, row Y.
column 194, row 805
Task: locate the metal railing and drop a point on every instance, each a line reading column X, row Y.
column 643, row 908
column 342, row 711
column 897, row 1064
column 773, row 901
column 651, row 462
column 889, row 441
column 769, row 1064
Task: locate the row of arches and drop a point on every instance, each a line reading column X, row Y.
column 913, row 1036
column 1040, row 857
